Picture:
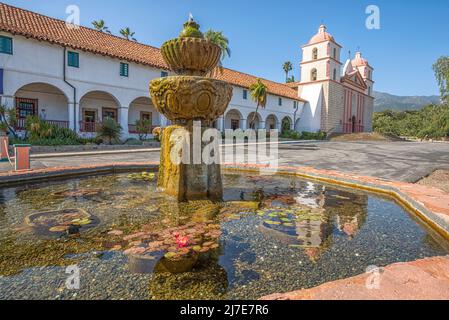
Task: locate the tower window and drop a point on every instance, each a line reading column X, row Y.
column 164, row 74
column 335, row 53
column 313, row 75
column 280, row 102
column 369, row 91
column 335, row 75
column 245, row 94
column 315, row 54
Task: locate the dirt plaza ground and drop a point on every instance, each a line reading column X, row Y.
column 400, row 161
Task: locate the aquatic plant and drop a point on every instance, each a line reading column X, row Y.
column 181, row 245
column 145, row 176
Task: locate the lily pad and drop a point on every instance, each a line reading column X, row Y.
column 58, row 229
column 52, row 222
column 170, row 255
column 273, row 223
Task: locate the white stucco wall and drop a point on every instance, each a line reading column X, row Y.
column 40, row 62
column 310, row 116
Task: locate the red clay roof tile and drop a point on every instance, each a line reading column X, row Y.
column 33, row 25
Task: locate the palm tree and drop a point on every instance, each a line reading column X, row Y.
column 100, row 25
column 259, row 95
column 220, row 40
column 127, row 34
column 287, row 68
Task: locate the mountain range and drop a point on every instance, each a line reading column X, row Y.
column 386, row 101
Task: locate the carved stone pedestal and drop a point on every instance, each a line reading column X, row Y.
column 179, row 176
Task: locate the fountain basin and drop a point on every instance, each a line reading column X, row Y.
column 191, row 56
column 189, row 97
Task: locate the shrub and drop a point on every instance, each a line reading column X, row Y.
column 143, row 128
column 432, row 122
column 110, row 130
column 39, row 132
column 313, row 135
column 133, row 142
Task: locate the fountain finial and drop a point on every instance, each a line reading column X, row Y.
column 191, row 29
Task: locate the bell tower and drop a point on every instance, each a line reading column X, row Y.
column 321, row 58
column 365, row 70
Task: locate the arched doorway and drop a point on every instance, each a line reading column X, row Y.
column 142, row 109
column 286, row 125
column 42, row 100
column 272, row 122
column 233, row 120
column 354, row 123
column 95, row 106
column 253, row 121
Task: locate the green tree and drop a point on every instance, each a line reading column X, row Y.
column 220, row 40
column 287, row 66
column 128, row 34
column 8, row 120
column 100, row 25
column 259, row 95
column 291, row 79
column 110, row 130
column 441, row 69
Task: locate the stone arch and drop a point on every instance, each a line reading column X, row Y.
column 257, row 121
column 233, row 119
column 95, row 106
column 272, row 122
column 286, row 124
column 142, row 108
column 29, row 79
column 45, row 100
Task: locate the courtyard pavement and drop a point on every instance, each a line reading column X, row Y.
column 401, row 161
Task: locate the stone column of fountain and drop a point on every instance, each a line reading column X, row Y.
column 190, row 96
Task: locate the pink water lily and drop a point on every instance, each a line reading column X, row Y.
column 182, row 242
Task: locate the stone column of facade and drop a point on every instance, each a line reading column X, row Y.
column 77, row 117
column 220, row 124
column 123, row 120
column 261, row 124
column 162, row 121
column 71, row 113
column 243, row 124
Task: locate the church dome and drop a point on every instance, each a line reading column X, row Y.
column 321, row 36
column 358, row 61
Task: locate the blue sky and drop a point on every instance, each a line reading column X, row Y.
column 263, row 34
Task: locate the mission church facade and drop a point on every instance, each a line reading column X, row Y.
column 76, row 77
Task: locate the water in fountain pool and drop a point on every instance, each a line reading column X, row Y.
column 271, row 234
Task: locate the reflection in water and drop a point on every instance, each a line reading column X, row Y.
column 271, row 234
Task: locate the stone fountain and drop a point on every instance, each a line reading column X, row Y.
column 189, row 98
